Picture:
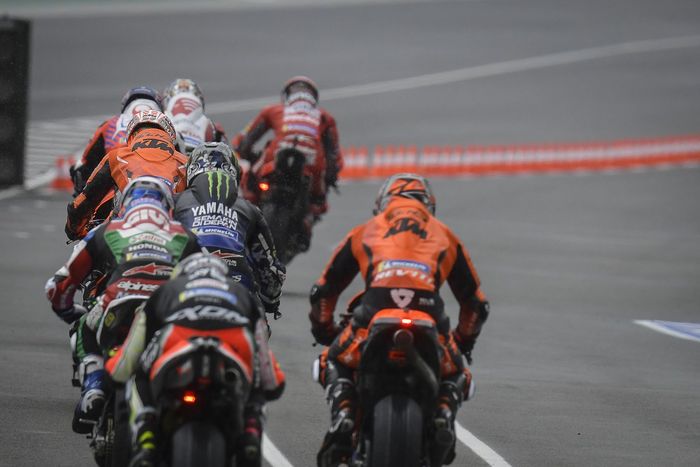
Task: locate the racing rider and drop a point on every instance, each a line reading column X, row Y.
column 150, row 150
column 297, row 123
column 112, row 133
column 404, row 254
column 183, row 103
column 136, row 252
column 169, row 320
column 229, row 226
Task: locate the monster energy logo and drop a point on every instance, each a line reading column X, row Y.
column 221, row 177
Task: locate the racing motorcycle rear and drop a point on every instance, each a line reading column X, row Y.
column 284, row 192
column 111, row 436
column 397, row 383
column 200, row 395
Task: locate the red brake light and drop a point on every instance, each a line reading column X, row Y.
column 189, row 397
column 264, row 186
column 406, row 321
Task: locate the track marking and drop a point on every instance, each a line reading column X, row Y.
column 155, row 7
column 480, row 448
column 272, row 455
column 688, row 331
column 478, row 71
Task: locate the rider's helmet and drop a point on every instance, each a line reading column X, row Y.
column 154, row 119
column 300, row 88
column 201, row 265
column 142, row 92
column 208, row 157
column 182, row 85
column 406, row 185
column 153, row 191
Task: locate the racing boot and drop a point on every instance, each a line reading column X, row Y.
column 249, row 453
column 92, row 396
column 452, row 391
column 336, row 449
column 145, row 454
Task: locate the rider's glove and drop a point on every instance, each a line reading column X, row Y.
column 465, row 344
column 272, row 308
column 71, row 314
column 324, row 333
column 331, row 179
column 72, row 229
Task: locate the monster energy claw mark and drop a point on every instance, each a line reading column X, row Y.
column 221, row 177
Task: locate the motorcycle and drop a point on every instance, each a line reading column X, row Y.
column 200, row 392
column 283, row 188
column 397, row 385
column 111, row 435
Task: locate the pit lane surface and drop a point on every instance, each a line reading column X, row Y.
column 564, row 376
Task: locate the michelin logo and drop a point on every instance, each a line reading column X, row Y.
column 403, row 264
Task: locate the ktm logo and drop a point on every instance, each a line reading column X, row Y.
column 151, row 269
column 406, row 225
column 152, row 143
column 185, row 106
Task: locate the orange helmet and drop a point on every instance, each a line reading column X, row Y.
column 151, row 118
column 406, row 185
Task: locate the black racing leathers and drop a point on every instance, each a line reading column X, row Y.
column 234, row 230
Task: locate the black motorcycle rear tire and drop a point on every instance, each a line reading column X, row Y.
column 197, row 444
column 121, row 441
column 279, row 219
column 397, row 433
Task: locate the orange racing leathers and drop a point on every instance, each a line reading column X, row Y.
column 404, row 255
column 149, row 151
column 299, row 125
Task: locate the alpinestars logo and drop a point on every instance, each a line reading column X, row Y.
column 402, row 297
column 151, row 269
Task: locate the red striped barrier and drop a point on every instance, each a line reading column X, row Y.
column 448, row 161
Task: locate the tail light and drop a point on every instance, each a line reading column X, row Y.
column 264, row 186
column 406, row 321
column 189, row 397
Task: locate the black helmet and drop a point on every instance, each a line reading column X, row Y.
column 142, row 92
column 213, row 156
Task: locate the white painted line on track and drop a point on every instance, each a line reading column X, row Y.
column 687, row 331
column 474, row 72
column 272, row 455
column 83, row 10
column 480, row 448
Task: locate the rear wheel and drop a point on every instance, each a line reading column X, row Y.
column 121, row 442
column 196, row 444
column 397, row 433
column 279, row 219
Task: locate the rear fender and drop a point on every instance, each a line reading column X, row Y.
column 202, row 358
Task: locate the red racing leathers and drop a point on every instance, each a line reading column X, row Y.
column 149, row 151
column 300, row 125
